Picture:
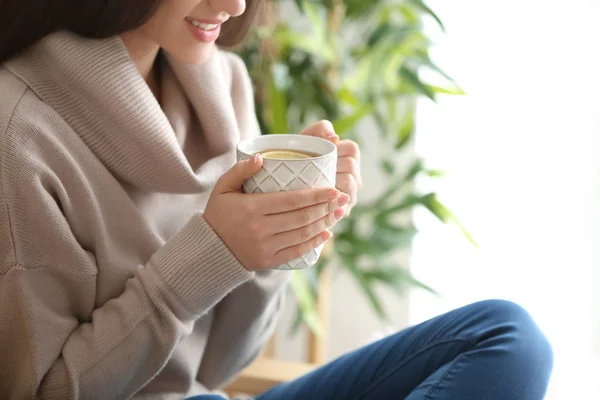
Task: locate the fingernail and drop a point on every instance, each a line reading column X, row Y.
column 343, row 199
column 254, row 158
column 339, row 214
column 334, row 194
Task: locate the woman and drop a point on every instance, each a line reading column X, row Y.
column 131, row 265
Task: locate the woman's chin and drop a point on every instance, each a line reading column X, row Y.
column 199, row 55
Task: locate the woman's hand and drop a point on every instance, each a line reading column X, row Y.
column 348, row 179
column 264, row 230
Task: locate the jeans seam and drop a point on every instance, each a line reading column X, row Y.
column 429, row 347
column 427, row 395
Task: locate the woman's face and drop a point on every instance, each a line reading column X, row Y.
column 188, row 29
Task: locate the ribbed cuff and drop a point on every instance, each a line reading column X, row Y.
column 198, row 267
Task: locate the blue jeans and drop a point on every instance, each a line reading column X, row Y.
column 489, row 350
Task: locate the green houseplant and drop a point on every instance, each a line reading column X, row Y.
column 353, row 62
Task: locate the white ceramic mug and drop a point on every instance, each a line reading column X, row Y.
column 278, row 175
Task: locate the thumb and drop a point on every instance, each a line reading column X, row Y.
column 232, row 180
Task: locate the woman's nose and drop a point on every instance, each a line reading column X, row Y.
column 234, row 8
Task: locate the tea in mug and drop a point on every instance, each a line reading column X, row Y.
column 285, row 154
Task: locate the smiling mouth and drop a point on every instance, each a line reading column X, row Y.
column 202, row 25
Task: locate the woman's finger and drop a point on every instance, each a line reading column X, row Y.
column 349, row 165
column 305, row 233
column 280, row 202
column 348, row 148
column 347, row 184
column 284, row 222
column 288, row 254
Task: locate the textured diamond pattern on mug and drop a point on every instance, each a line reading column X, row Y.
column 277, row 176
column 283, row 175
column 307, row 260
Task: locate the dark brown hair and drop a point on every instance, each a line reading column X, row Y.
column 24, row 22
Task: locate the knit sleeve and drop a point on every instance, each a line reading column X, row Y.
column 56, row 341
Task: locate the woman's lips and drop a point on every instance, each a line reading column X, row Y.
column 204, row 30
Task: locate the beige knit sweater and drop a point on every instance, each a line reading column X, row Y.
column 112, row 285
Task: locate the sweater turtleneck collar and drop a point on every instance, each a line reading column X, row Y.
column 96, row 88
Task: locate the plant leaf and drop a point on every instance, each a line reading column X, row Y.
column 297, row 322
column 378, row 33
column 435, row 173
column 376, row 67
column 397, row 278
column 277, row 108
column 424, row 59
column 388, row 167
column 306, row 301
column 394, row 34
column 454, row 91
column 348, row 97
column 392, row 108
column 311, row 11
column 310, row 44
column 415, row 168
column 359, row 8
column 367, row 288
column 414, row 81
column 398, row 184
column 442, row 212
column 409, row 14
column 420, row 4
column 407, row 127
column 300, row 5
column 388, row 237
column 408, row 202
column 345, row 124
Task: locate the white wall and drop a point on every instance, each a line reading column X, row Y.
column 523, row 151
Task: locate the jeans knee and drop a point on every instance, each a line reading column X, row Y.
column 528, row 342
